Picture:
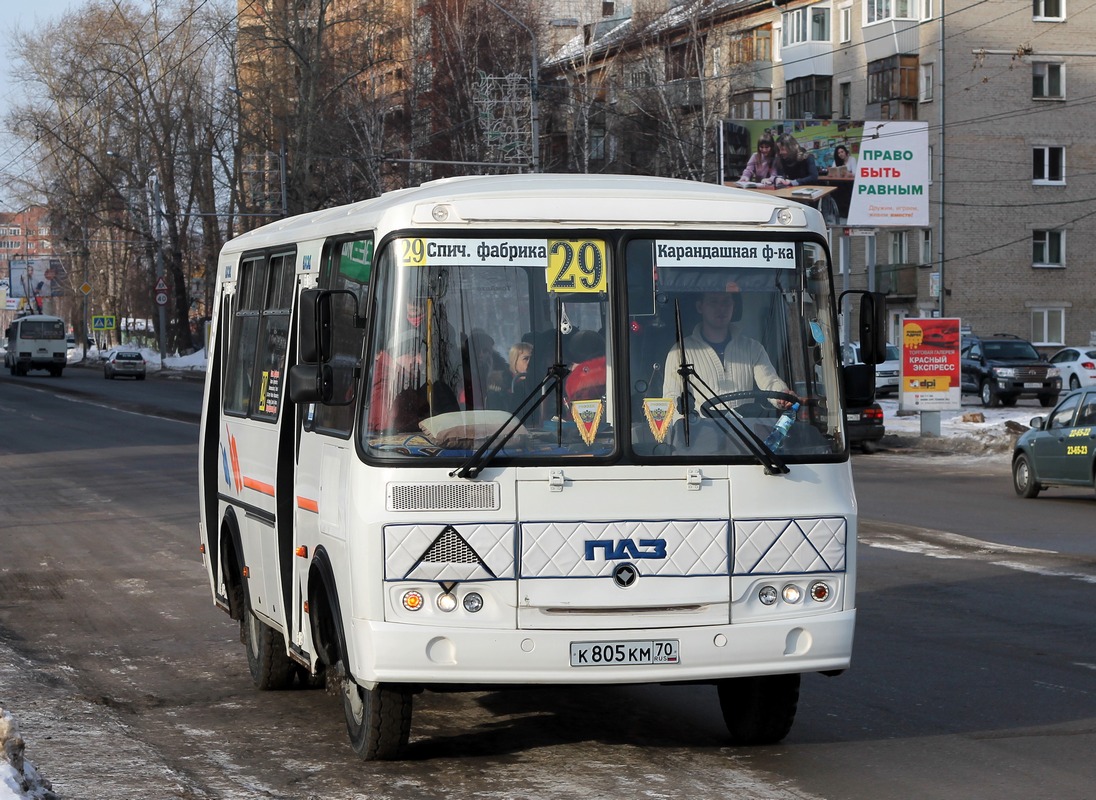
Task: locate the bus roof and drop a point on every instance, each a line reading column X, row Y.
column 544, row 199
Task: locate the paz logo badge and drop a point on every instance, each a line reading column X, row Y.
column 659, row 412
column 587, row 414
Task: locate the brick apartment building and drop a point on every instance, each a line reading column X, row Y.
column 1003, row 87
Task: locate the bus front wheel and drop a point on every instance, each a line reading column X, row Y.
column 760, row 709
column 267, row 660
column 378, row 720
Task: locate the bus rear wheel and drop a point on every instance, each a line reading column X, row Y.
column 760, row 709
column 378, row 720
column 269, row 664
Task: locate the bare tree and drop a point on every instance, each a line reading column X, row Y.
column 124, row 133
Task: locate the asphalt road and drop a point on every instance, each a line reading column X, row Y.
column 974, row 672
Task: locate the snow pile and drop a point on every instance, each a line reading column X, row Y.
column 194, row 362
column 972, row 430
column 19, row 780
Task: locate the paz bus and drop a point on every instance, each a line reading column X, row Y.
column 392, row 504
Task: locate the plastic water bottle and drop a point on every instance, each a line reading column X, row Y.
column 780, row 431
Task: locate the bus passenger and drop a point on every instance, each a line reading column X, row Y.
column 402, row 396
column 724, row 360
column 586, row 380
column 520, row 355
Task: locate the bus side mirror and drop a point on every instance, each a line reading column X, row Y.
column 311, row 383
column 873, row 328
column 315, row 341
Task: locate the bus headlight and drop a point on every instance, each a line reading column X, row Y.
column 412, row 601
column 767, row 595
column 792, row 593
column 447, row 602
column 473, row 602
column 820, row 591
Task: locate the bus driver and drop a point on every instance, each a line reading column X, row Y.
column 724, row 360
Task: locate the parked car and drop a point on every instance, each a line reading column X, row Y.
column 1060, row 449
column 1003, row 368
column 124, row 362
column 887, row 374
column 865, row 427
column 1077, row 365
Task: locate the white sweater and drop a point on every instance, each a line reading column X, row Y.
column 745, row 366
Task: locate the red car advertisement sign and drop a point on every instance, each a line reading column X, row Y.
column 930, row 364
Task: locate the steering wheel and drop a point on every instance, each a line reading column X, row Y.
column 758, row 406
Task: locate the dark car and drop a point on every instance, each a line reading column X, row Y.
column 124, row 362
column 864, row 425
column 1003, row 368
column 1060, row 449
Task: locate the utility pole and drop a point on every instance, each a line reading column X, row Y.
column 161, row 323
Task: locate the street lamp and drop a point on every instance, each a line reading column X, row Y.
column 534, row 112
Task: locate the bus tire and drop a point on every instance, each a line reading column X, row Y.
column 759, row 710
column 378, row 720
column 267, row 660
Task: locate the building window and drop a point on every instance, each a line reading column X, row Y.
column 685, row 61
column 1048, row 81
column 882, row 10
column 844, row 15
column 1048, row 165
column 927, row 255
column 893, row 78
column 754, row 45
column 752, row 105
column 1048, row 249
column 925, row 93
column 1049, row 10
column 899, row 247
column 809, row 24
column 1048, row 326
column 810, row 96
column 845, row 94
column 926, row 10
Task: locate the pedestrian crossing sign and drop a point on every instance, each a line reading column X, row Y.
column 103, row 323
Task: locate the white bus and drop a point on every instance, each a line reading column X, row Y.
column 390, row 501
column 36, row 341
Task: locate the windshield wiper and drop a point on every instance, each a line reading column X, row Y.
column 551, row 384
column 733, row 422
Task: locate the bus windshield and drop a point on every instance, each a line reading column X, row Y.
column 533, row 340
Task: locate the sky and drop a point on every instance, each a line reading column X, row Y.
column 23, row 16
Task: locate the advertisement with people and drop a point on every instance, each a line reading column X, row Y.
column 33, row 280
column 857, row 173
column 930, row 364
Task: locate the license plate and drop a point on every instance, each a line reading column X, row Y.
column 1033, row 386
column 608, row 654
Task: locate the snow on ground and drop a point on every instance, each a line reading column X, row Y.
column 984, row 433
column 194, row 361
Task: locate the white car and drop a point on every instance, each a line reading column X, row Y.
column 887, row 375
column 1077, row 365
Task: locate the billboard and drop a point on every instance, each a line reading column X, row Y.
column 31, row 281
column 858, row 173
column 930, row 364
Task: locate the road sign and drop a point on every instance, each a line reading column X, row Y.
column 161, row 286
column 103, row 323
column 85, row 288
column 161, row 298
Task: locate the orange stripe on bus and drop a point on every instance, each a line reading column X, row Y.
column 258, row 486
column 308, row 505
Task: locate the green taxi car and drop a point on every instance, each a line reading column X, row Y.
column 1060, row 449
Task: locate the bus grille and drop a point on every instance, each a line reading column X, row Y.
column 443, row 496
column 450, row 548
